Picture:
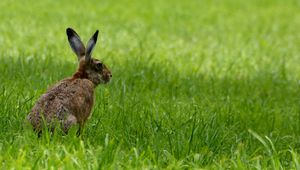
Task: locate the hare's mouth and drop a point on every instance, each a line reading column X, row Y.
column 106, row 80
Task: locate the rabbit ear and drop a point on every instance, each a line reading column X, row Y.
column 75, row 43
column 90, row 45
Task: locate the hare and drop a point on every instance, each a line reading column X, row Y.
column 70, row 101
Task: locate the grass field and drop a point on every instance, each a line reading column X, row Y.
column 196, row 84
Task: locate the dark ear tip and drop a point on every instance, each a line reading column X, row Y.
column 95, row 36
column 69, row 31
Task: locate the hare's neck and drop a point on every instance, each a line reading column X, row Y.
column 80, row 73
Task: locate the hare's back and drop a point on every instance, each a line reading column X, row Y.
column 64, row 98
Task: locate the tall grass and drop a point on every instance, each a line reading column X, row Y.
column 196, row 84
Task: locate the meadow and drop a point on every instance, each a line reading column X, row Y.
column 197, row 84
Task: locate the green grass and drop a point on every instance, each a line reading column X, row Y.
column 196, row 84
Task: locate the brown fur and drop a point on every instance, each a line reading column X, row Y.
column 70, row 101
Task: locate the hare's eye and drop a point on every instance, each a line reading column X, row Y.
column 99, row 66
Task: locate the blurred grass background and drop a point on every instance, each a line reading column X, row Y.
column 196, row 84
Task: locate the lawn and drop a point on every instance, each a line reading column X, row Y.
column 196, row 83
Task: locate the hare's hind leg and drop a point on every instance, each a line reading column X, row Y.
column 68, row 123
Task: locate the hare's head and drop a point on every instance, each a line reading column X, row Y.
column 89, row 68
